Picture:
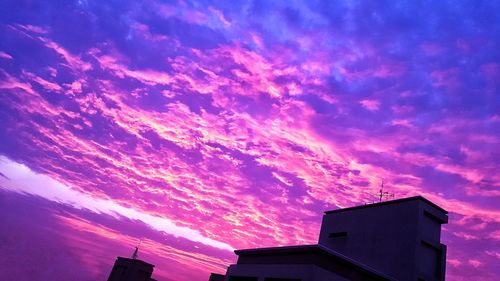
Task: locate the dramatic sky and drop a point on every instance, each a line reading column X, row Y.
column 203, row 127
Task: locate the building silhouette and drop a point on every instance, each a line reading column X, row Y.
column 391, row 240
column 131, row 269
column 216, row 277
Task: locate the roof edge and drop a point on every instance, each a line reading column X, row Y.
column 384, row 203
column 313, row 247
column 135, row 260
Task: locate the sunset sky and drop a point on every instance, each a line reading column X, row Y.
column 208, row 126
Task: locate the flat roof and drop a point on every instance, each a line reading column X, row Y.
column 293, row 250
column 135, row 260
column 216, row 277
column 384, row 203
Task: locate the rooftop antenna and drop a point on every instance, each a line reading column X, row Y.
column 135, row 254
column 384, row 194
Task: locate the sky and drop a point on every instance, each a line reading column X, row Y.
column 200, row 127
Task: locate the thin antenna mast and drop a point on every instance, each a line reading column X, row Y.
column 136, row 251
column 384, row 194
column 381, row 191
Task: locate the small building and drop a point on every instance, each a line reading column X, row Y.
column 216, row 277
column 131, row 269
column 391, row 240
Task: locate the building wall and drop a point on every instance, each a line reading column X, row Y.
column 382, row 237
column 390, row 238
column 431, row 254
column 299, row 272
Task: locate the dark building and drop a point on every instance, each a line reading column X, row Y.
column 216, row 277
column 392, row 240
column 131, row 269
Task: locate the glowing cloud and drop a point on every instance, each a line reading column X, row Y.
column 19, row 178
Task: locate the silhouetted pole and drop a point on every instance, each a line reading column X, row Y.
column 136, row 251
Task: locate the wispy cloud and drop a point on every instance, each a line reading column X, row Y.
column 19, row 178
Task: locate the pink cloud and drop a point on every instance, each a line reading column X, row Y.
column 495, row 254
column 495, row 235
column 47, row 85
column 73, row 61
column 33, row 28
column 149, row 77
column 402, row 122
column 257, row 40
column 447, row 78
column 4, row 55
column 12, row 83
column 454, row 262
column 220, row 16
column 465, row 236
column 475, row 263
column 371, row 105
column 143, row 31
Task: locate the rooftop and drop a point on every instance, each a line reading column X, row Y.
column 328, row 256
column 135, row 260
column 392, row 202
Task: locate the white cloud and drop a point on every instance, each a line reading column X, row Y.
column 19, row 178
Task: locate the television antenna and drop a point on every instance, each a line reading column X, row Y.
column 384, row 194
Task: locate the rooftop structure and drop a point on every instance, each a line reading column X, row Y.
column 391, row 240
column 131, row 269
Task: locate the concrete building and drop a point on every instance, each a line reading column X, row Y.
column 391, row 240
column 131, row 269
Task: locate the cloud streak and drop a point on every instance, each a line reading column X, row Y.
column 20, row 178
